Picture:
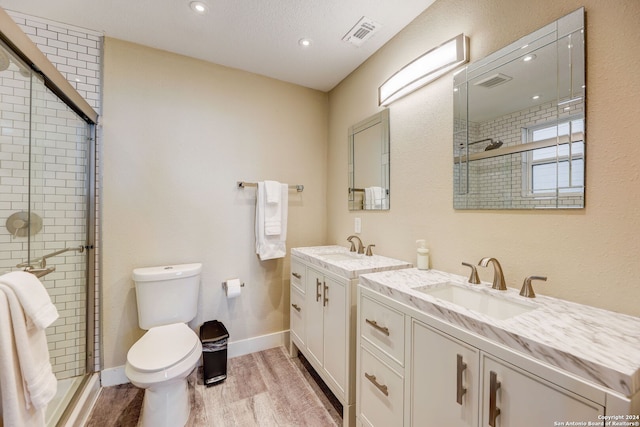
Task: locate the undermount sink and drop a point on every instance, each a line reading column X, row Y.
column 480, row 302
column 340, row 256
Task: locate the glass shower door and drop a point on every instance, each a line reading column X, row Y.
column 45, row 149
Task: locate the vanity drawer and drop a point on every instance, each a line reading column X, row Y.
column 296, row 319
column 381, row 392
column 298, row 272
column 383, row 327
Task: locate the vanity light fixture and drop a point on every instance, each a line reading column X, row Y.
column 198, row 7
column 425, row 69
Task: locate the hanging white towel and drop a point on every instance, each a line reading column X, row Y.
column 14, row 409
column 375, row 198
column 273, row 208
column 27, row 379
column 271, row 246
column 33, row 297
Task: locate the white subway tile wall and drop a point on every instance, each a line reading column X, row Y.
column 59, row 187
column 498, row 181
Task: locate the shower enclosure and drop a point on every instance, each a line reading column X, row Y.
column 47, row 202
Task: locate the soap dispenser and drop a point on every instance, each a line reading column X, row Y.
column 422, row 260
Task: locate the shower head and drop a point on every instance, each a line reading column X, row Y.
column 493, row 145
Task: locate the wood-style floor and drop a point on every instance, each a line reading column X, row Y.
column 262, row 389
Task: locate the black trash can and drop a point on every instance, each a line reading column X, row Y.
column 214, row 337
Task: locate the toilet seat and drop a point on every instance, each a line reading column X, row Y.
column 162, row 347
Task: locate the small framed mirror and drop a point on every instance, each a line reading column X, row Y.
column 369, row 163
column 519, row 123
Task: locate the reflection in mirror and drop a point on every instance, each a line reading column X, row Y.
column 369, row 163
column 519, row 122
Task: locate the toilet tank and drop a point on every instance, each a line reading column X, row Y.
column 167, row 294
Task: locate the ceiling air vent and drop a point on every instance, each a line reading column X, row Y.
column 362, row 31
column 493, row 81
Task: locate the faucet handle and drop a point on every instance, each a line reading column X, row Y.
column 369, row 251
column 353, row 246
column 473, row 277
column 527, row 289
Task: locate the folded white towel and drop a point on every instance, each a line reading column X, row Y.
column 272, row 208
column 33, row 297
column 39, row 384
column 270, row 245
column 273, row 191
column 375, row 198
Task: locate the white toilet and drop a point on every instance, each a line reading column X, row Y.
column 167, row 353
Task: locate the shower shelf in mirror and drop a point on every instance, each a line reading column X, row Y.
column 514, row 149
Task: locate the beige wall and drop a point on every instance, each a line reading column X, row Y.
column 178, row 134
column 592, row 255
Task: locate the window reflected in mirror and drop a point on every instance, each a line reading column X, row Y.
column 519, row 120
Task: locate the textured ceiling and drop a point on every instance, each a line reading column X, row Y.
column 260, row 36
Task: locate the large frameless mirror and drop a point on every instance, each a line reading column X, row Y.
column 369, row 163
column 519, row 121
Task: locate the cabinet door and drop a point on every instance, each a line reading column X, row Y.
column 296, row 318
column 513, row 397
column 335, row 330
column 314, row 313
column 444, row 382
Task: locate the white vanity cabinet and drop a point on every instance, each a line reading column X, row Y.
column 452, row 377
column 324, row 282
column 323, row 329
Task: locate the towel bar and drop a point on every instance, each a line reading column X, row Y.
column 242, row 184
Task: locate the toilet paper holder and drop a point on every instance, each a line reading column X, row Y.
column 224, row 285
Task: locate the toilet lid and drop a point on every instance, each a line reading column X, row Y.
column 161, row 347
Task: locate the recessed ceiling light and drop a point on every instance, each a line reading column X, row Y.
column 304, row 42
column 534, row 97
column 198, row 7
column 529, row 57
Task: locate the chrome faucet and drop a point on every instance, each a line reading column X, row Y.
column 498, row 276
column 353, row 246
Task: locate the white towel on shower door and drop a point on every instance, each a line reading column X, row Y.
column 33, row 297
column 271, row 246
column 28, row 382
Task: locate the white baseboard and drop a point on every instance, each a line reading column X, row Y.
column 116, row 376
column 255, row 344
column 113, row 376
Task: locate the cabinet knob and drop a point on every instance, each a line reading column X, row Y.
column 297, row 307
column 296, row 275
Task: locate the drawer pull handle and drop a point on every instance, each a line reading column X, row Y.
column 325, row 292
column 460, row 390
column 494, row 385
column 297, row 307
column 318, row 295
column 382, row 329
column 296, row 275
column 383, row 388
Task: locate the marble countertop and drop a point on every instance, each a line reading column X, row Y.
column 598, row 345
column 338, row 260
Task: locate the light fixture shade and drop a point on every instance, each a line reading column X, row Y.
column 425, row 69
